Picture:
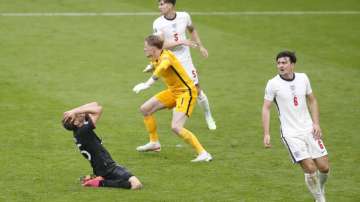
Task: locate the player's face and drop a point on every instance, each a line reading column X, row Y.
column 79, row 120
column 164, row 7
column 148, row 50
column 284, row 66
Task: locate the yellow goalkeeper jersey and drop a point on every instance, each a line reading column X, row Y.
column 170, row 70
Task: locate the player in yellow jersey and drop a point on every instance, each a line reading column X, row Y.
column 180, row 95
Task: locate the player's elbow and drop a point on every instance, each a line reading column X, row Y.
column 98, row 107
column 94, row 104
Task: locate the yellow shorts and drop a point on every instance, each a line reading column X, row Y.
column 183, row 102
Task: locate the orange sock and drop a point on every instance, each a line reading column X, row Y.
column 150, row 124
column 192, row 140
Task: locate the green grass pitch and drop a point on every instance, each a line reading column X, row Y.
column 52, row 63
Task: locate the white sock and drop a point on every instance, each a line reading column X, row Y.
column 204, row 103
column 323, row 178
column 313, row 184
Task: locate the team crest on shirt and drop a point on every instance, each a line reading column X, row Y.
column 174, row 26
column 292, row 87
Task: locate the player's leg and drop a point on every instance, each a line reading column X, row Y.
column 158, row 102
column 203, row 101
column 132, row 183
column 147, row 109
column 204, row 104
column 184, row 108
column 319, row 154
column 120, row 177
column 322, row 164
column 125, row 184
column 312, row 179
column 299, row 152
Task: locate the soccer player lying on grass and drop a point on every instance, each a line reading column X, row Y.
column 108, row 173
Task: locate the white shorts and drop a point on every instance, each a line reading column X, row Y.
column 190, row 70
column 304, row 146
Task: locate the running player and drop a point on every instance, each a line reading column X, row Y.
column 180, row 95
column 108, row 173
column 172, row 26
column 300, row 130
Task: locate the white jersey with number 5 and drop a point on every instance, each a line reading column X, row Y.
column 175, row 30
column 290, row 99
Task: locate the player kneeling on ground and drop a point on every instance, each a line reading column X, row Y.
column 108, row 173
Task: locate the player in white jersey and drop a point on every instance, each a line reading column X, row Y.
column 172, row 26
column 300, row 130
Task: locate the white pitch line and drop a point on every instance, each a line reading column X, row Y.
column 240, row 13
column 280, row 13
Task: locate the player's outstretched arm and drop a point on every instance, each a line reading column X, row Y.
column 196, row 38
column 266, row 123
column 145, row 85
column 168, row 44
column 93, row 109
column 314, row 110
column 148, row 68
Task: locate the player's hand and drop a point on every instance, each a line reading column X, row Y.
column 69, row 116
column 190, row 43
column 140, row 87
column 267, row 143
column 148, row 68
column 204, row 51
column 316, row 131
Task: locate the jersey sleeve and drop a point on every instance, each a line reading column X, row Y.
column 269, row 92
column 164, row 64
column 307, row 85
column 188, row 19
column 88, row 123
column 155, row 29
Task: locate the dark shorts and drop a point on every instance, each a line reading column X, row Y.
column 118, row 173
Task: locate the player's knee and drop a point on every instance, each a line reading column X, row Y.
column 145, row 110
column 324, row 168
column 310, row 170
column 201, row 96
column 136, row 186
column 135, row 183
column 309, row 167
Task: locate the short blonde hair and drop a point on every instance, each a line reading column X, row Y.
column 155, row 40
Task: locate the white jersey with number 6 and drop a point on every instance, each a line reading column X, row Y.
column 290, row 99
column 175, row 30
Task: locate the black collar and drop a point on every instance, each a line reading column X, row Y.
column 171, row 19
column 287, row 79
